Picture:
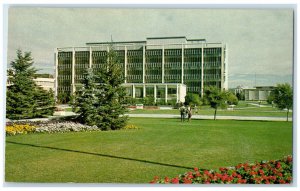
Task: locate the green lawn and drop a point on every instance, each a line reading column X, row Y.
column 162, row 147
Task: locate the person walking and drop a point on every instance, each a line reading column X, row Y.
column 189, row 112
column 182, row 113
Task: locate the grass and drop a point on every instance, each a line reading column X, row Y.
column 162, row 147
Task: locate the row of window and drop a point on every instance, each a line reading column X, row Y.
column 172, row 72
column 211, row 76
column 167, row 52
column 212, row 50
column 64, row 77
column 194, row 51
column 134, row 77
column 134, row 53
column 64, row 88
column 171, row 77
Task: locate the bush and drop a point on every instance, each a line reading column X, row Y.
column 265, row 172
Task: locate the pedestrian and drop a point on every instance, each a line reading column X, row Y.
column 196, row 109
column 182, row 113
column 189, row 112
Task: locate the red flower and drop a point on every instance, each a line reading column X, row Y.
column 240, row 181
column 234, row 174
column 289, row 159
column 278, row 165
column 261, row 172
column 167, row 179
column 198, row 174
column 282, row 181
column 206, row 172
column 175, row 180
column 196, row 169
column 279, row 174
column 187, row 181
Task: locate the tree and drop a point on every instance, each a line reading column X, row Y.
column 283, row 97
column 215, row 98
column 24, row 98
column 231, row 98
column 86, row 100
column 192, row 99
column 240, row 95
column 102, row 98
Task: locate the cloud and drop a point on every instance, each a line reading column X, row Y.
column 259, row 41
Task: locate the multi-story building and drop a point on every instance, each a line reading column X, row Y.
column 164, row 67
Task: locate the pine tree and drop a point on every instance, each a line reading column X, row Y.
column 86, row 100
column 101, row 101
column 24, row 99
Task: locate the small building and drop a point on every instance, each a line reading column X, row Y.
column 259, row 93
column 45, row 83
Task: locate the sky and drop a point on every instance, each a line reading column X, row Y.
column 259, row 41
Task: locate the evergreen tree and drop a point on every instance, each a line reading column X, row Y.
column 101, row 101
column 86, row 100
column 24, row 99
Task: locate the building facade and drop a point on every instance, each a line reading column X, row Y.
column 45, row 83
column 259, row 93
column 173, row 63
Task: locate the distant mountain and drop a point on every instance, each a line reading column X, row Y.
column 252, row 80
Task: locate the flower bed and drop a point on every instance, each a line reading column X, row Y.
column 129, row 126
column 47, row 127
column 265, row 172
column 14, row 129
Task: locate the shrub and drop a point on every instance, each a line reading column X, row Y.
column 265, row 172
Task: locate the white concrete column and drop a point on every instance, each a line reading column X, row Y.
column 182, row 63
column 177, row 94
column 144, row 63
column 202, row 71
column 91, row 61
column 163, row 65
column 56, row 75
column 73, row 71
column 125, row 65
column 166, row 93
column 144, row 90
column 155, row 93
column 133, row 90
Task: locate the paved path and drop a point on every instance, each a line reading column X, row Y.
column 246, row 118
column 212, row 117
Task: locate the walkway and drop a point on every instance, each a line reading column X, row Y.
column 248, row 118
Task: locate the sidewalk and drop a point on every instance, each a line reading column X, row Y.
column 247, row 118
